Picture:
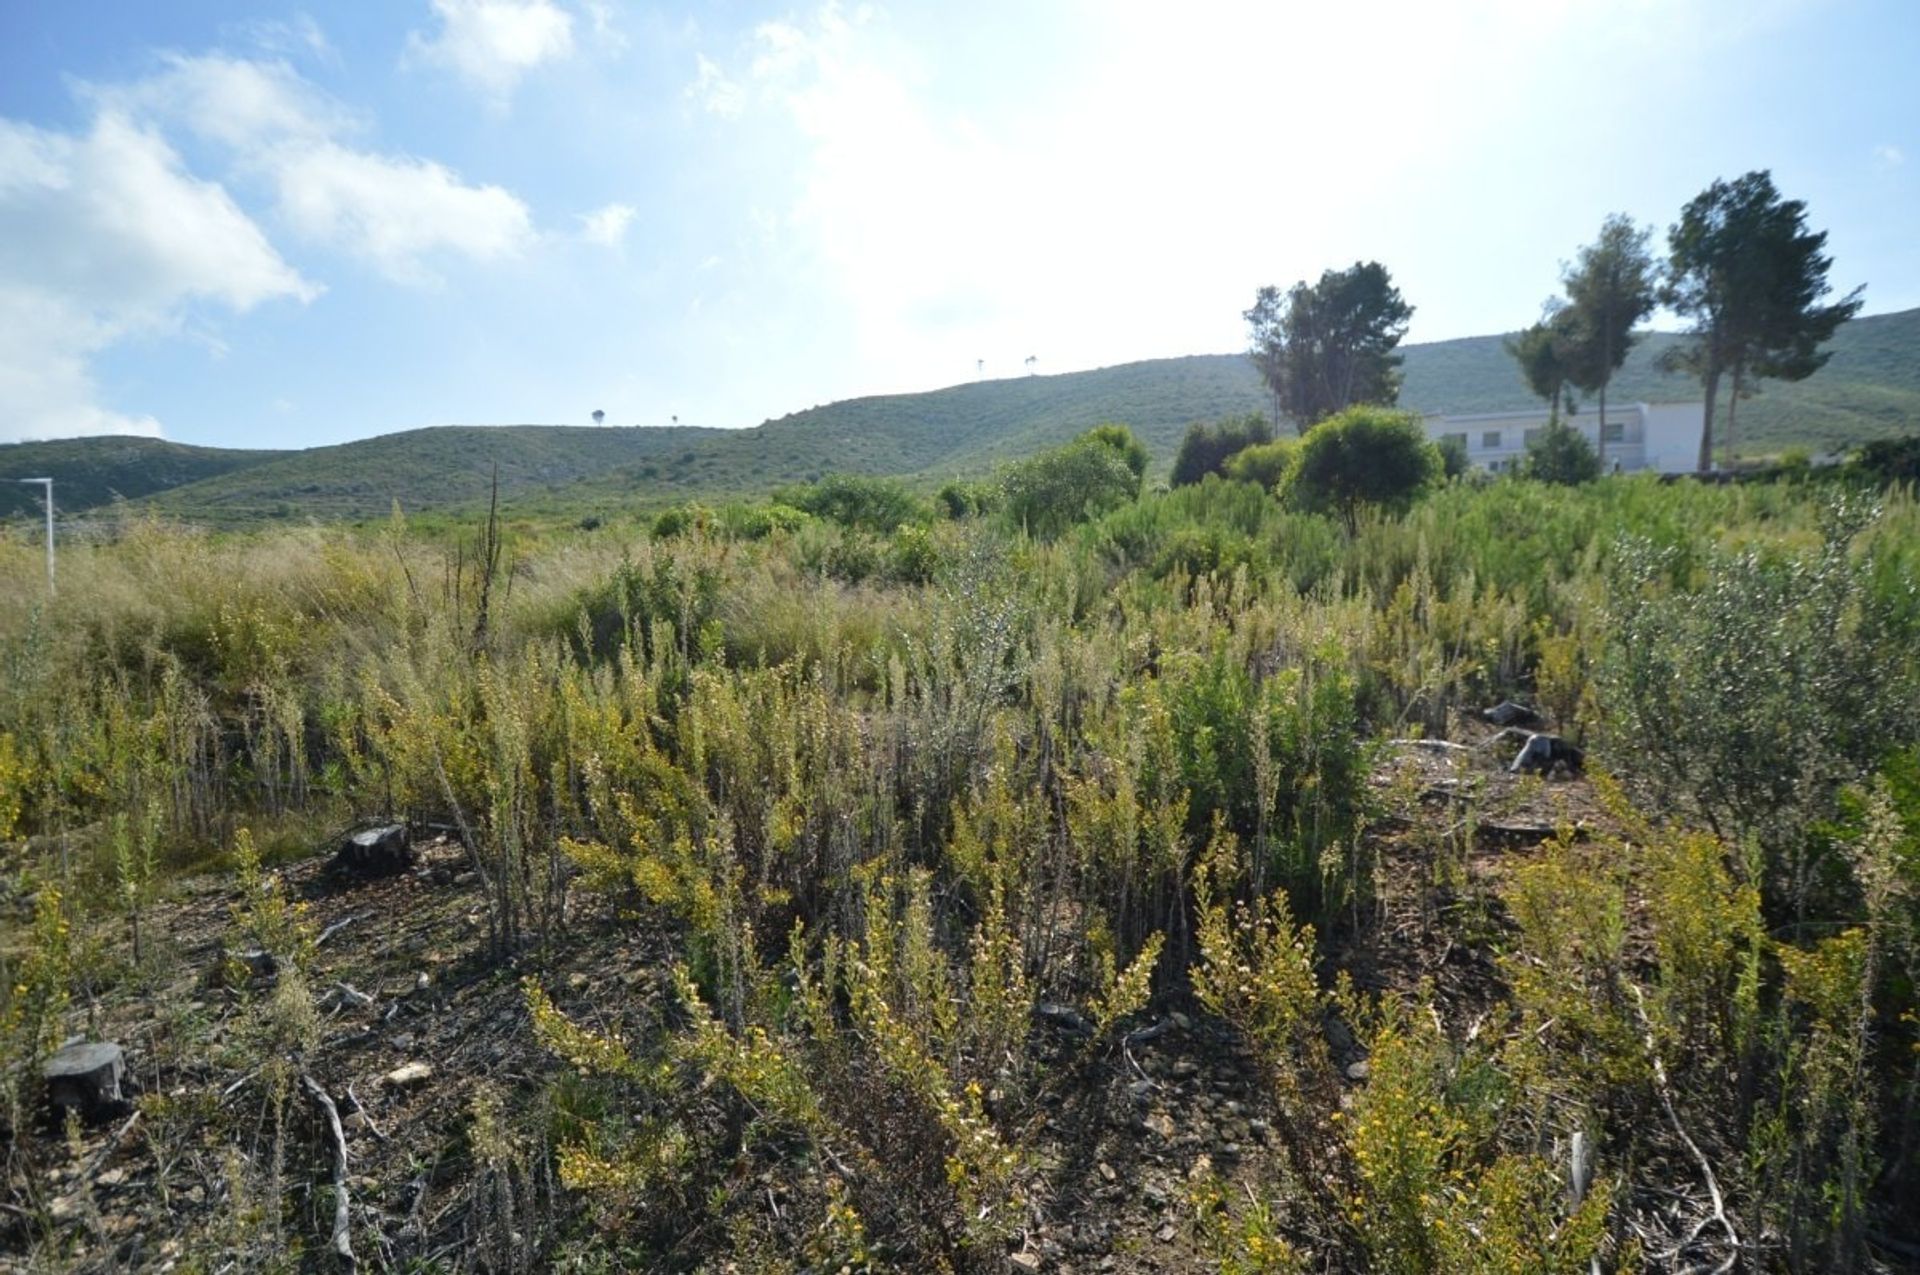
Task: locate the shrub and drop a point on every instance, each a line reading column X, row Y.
column 1887, row 461
column 1561, row 454
column 1123, row 442
column 1263, row 463
column 967, row 500
column 1364, row 456
column 1068, row 485
column 871, row 504
column 1207, row 448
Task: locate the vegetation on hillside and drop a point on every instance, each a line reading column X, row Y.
column 1870, row 389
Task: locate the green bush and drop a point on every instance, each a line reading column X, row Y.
column 1068, row 485
column 1206, row 449
column 1362, row 457
column 1561, row 454
column 872, row 504
column 1263, row 463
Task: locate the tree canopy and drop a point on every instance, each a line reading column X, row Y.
column 1744, row 267
column 1206, row 449
column 1363, row 456
column 1546, row 353
column 1610, row 288
column 1325, row 347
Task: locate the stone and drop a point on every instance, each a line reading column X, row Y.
column 1181, row 1021
column 1358, row 1071
column 85, row 1078
column 246, row 965
column 1024, row 1261
column 382, row 850
column 1161, row 1123
column 1165, row 1234
column 1155, row 1195
column 1107, row 1173
column 1065, row 1017
column 408, row 1076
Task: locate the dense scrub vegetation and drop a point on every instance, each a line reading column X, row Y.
column 931, row 819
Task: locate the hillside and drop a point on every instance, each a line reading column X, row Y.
column 423, row 469
column 1870, row 389
column 88, row 472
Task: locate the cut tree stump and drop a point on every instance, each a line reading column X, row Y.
column 380, row 851
column 1508, row 713
column 1546, row 755
column 85, row 1078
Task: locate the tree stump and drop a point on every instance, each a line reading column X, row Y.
column 85, row 1078
column 384, row 850
column 1547, row 755
column 1508, row 713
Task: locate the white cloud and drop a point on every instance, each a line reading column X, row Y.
column 715, row 93
column 299, row 34
column 607, row 226
column 395, row 212
column 105, row 234
column 238, row 102
column 102, row 236
column 1889, row 155
column 491, row 44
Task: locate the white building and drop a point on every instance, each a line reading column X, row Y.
column 1664, row 437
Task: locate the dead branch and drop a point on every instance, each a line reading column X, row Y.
column 1693, row 1148
column 342, row 1205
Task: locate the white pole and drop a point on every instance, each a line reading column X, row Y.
column 48, row 484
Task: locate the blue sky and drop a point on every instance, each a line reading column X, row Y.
column 263, row 225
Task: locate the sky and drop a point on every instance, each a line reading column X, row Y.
column 275, row 225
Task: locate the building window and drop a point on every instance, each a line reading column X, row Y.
column 1490, row 439
column 1530, row 436
column 1614, row 432
column 1461, row 439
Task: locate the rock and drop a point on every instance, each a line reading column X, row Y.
column 1065, row 1017
column 1161, row 1123
column 1547, row 754
column 1024, row 1261
column 409, row 1076
column 1358, row 1071
column 1181, row 1021
column 1155, row 1195
column 1184, row 1068
column 241, row 966
column 1508, row 713
column 85, row 1078
column 1165, row 1234
column 379, row 851
column 1107, row 1173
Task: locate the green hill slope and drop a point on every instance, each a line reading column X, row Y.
column 88, row 472
column 1870, row 389
column 424, row 469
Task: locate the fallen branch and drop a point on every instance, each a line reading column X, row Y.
column 1693, row 1148
column 334, row 929
column 342, row 1205
column 366, row 1115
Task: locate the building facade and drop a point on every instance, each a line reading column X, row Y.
column 1663, row 437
